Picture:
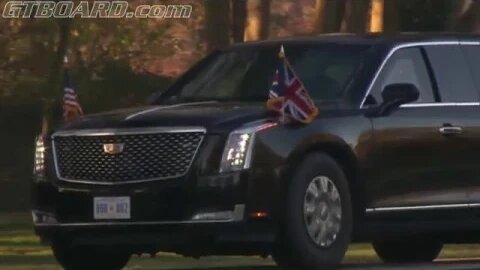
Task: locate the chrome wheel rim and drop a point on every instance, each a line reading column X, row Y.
column 322, row 211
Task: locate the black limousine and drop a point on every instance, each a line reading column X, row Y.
column 206, row 169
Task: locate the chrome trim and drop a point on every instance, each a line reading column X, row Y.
column 448, row 131
column 131, row 131
column 36, row 214
column 395, row 49
column 469, row 42
column 421, row 207
column 126, row 131
column 440, row 104
column 238, row 215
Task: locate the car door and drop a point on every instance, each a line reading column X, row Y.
column 472, row 54
column 421, row 145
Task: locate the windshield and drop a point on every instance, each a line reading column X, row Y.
column 246, row 73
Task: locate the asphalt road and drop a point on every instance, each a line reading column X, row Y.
column 451, row 265
column 443, row 264
column 470, row 265
column 467, row 264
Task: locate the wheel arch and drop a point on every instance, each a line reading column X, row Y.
column 343, row 154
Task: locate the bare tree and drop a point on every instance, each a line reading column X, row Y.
column 391, row 20
column 376, row 15
column 217, row 21
column 321, row 14
column 54, row 78
column 239, row 16
column 355, row 16
column 328, row 15
column 458, row 11
column 465, row 16
column 258, row 20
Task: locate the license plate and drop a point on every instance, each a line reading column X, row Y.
column 111, row 208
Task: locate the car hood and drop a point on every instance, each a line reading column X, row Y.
column 214, row 116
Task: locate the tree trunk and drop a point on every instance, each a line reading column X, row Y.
column 336, row 23
column 217, row 22
column 355, row 17
column 54, row 81
column 258, row 20
column 328, row 14
column 376, row 16
column 465, row 16
column 56, row 67
column 239, row 16
column 458, row 11
column 321, row 15
column 476, row 17
column 391, row 23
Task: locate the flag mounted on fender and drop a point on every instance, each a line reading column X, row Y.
column 288, row 96
column 72, row 109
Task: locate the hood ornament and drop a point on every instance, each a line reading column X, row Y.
column 113, row 148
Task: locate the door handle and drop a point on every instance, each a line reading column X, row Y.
column 450, row 130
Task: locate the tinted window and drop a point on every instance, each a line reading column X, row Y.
column 453, row 76
column 326, row 72
column 246, row 73
column 473, row 56
column 405, row 66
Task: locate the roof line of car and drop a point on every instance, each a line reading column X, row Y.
column 369, row 38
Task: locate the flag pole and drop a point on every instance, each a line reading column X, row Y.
column 281, row 55
column 71, row 106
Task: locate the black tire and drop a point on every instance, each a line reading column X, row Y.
column 82, row 258
column 299, row 250
column 406, row 251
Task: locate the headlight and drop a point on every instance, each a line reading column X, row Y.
column 39, row 161
column 238, row 149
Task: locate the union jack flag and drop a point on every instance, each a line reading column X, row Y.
column 288, row 96
column 71, row 106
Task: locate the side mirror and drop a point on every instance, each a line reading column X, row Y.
column 393, row 96
column 400, row 93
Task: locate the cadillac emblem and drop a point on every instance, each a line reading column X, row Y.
column 113, row 148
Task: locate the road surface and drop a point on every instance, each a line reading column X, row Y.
column 432, row 266
column 467, row 264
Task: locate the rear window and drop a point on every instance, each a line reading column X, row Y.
column 452, row 74
column 473, row 56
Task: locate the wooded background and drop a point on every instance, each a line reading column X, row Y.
column 120, row 62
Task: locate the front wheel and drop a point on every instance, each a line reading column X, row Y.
column 405, row 251
column 82, row 258
column 318, row 222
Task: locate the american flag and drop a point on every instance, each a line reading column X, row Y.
column 71, row 106
column 288, row 96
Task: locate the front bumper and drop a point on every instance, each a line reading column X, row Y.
column 199, row 239
column 192, row 216
column 189, row 237
column 46, row 219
